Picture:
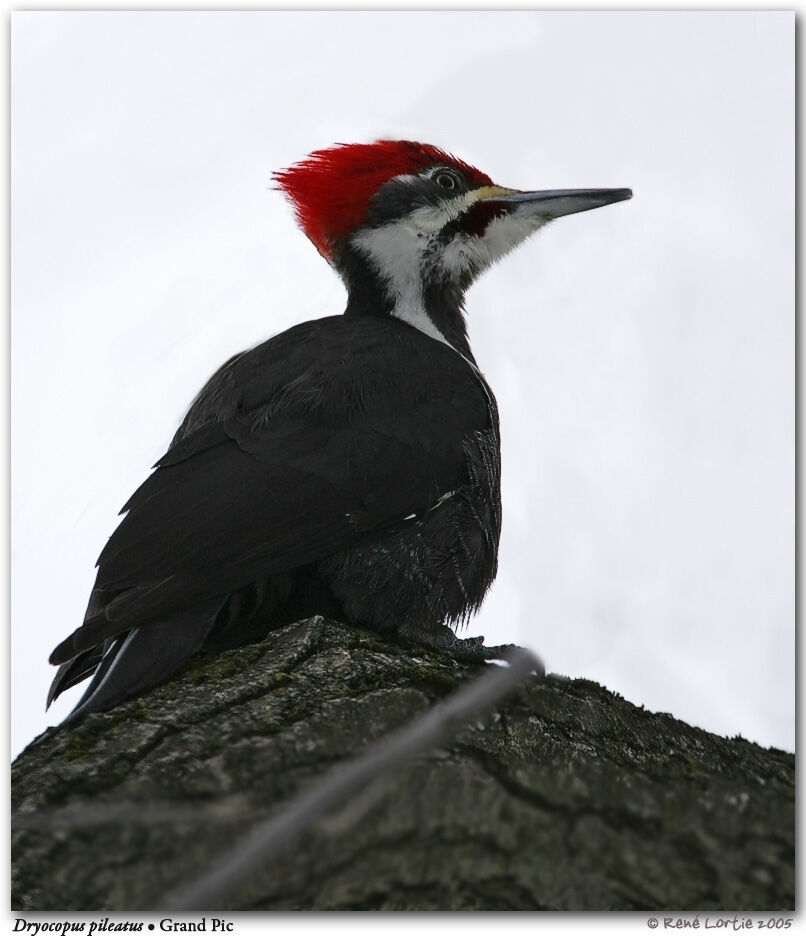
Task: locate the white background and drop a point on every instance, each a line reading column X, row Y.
column 642, row 354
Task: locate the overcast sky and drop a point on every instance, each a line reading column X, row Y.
column 642, row 354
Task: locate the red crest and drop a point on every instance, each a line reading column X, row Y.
column 331, row 189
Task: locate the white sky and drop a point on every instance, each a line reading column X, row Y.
column 642, row 354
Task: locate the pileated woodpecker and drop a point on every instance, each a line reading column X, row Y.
column 348, row 466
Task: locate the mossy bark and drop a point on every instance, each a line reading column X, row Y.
column 565, row 797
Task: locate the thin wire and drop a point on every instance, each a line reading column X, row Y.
column 272, row 836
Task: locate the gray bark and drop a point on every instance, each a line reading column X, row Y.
column 565, row 797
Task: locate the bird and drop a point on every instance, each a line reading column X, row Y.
column 349, row 466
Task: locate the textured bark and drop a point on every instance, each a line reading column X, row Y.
column 566, row 797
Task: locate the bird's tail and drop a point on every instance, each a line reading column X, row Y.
column 136, row 661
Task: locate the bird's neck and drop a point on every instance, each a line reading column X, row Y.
column 435, row 307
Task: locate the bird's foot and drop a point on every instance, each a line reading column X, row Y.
column 470, row 649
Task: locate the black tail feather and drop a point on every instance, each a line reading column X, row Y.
column 143, row 658
column 73, row 671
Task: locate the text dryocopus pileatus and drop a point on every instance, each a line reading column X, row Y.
column 348, row 466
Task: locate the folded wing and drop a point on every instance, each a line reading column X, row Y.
column 309, row 454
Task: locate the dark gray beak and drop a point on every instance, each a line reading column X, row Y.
column 554, row 203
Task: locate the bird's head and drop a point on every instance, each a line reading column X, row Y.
column 417, row 223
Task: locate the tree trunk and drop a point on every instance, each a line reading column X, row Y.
column 565, row 797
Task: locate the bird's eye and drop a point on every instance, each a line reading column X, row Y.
column 446, row 180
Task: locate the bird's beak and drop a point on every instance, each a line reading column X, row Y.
column 552, row 203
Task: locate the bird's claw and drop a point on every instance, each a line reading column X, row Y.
column 503, row 651
column 472, row 649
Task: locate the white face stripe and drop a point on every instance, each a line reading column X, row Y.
column 432, row 218
column 396, row 251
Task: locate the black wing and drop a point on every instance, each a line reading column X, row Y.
column 332, row 431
